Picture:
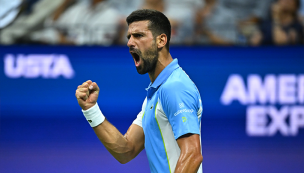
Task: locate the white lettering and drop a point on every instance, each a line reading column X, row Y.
column 46, row 66
column 301, row 89
column 257, row 92
column 13, row 69
column 183, row 110
column 62, row 66
column 234, row 90
column 287, row 89
column 35, row 65
column 282, row 90
column 257, row 118
column 256, row 121
column 296, row 119
column 278, row 122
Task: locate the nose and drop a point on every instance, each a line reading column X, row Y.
column 131, row 42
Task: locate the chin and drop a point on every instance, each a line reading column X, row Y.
column 141, row 70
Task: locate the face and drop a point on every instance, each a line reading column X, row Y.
column 288, row 5
column 142, row 47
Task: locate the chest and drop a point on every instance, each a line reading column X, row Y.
column 151, row 117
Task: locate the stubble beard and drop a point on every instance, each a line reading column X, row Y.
column 149, row 59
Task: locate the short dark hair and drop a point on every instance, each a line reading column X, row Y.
column 158, row 22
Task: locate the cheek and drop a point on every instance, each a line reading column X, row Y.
column 144, row 46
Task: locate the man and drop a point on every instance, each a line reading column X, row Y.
column 84, row 23
column 168, row 126
column 216, row 24
column 284, row 28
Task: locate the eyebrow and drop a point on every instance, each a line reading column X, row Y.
column 134, row 33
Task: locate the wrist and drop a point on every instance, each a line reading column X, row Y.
column 94, row 116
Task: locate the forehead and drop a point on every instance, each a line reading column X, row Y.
column 139, row 26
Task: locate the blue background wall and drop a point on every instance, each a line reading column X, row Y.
column 42, row 128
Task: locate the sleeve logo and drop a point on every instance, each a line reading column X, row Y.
column 181, row 105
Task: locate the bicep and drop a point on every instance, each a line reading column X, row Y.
column 189, row 143
column 190, row 157
column 135, row 135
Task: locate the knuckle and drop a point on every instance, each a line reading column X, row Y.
column 77, row 93
column 83, row 90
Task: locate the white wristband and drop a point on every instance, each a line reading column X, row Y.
column 94, row 115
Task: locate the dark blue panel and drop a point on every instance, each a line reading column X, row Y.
column 42, row 128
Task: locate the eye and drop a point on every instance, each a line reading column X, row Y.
column 138, row 35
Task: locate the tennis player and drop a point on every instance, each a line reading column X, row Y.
column 168, row 126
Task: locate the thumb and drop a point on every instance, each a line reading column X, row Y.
column 94, row 87
column 94, row 92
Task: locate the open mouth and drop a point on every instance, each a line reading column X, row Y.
column 136, row 58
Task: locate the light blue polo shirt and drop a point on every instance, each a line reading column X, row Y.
column 171, row 109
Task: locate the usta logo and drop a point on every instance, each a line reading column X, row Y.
column 38, row 65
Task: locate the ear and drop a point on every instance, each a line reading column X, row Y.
column 161, row 41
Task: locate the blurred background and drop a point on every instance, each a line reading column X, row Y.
column 246, row 58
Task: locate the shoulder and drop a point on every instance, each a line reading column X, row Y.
column 178, row 83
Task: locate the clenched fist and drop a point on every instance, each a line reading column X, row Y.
column 87, row 94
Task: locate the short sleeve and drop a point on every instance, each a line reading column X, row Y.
column 138, row 120
column 180, row 103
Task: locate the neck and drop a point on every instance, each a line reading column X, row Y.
column 164, row 59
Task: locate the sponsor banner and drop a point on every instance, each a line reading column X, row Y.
column 262, row 86
column 253, row 106
column 35, row 65
column 278, row 98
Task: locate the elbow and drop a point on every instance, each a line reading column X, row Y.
column 124, row 161
column 125, row 156
column 197, row 159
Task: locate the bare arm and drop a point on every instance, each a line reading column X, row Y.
column 190, row 157
column 123, row 148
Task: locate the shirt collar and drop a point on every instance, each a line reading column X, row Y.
column 162, row 77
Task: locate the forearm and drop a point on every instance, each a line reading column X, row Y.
column 123, row 148
column 114, row 141
column 188, row 163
